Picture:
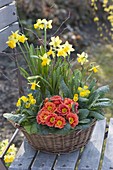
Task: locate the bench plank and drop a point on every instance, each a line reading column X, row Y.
column 24, row 157
column 43, row 161
column 108, row 156
column 67, row 161
column 7, row 15
column 91, row 155
column 5, row 2
column 4, row 35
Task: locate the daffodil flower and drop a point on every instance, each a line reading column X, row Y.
column 68, row 47
column 34, row 85
column 45, row 60
column 94, row 69
column 82, row 58
column 55, row 41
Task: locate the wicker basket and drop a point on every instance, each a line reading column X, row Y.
column 57, row 143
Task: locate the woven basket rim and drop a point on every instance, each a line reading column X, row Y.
column 55, row 134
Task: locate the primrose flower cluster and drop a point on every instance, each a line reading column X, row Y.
column 56, row 111
column 60, row 97
column 11, row 153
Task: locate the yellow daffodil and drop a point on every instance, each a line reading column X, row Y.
column 41, row 24
column 11, row 43
column 33, row 86
column 45, row 60
column 82, row 58
column 15, row 35
column 55, row 41
column 61, row 52
column 68, row 47
column 51, row 52
column 94, row 69
column 22, row 38
column 75, row 98
column 96, row 19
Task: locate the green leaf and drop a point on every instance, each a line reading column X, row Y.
column 92, row 84
column 23, row 72
column 26, row 111
column 16, row 118
column 102, row 104
column 28, row 128
column 34, row 128
column 83, row 113
column 102, row 90
column 96, row 115
column 64, row 88
column 83, row 99
column 84, row 121
column 93, row 99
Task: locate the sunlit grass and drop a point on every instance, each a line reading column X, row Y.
column 103, row 56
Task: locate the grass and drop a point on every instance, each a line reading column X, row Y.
column 103, row 56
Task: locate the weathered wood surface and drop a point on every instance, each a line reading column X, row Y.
column 67, row 161
column 44, row 161
column 5, row 2
column 108, row 155
column 4, row 35
column 29, row 159
column 7, row 16
column 24, row 158
column 90, row 158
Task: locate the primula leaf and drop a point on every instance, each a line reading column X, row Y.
column 84, row 121
column 96, row 115
column 28, row 128
column 93, row 98
column 83, row 113
column 16, row 118
column 102, row 104
column 102, row 90
column 26, row 111
column 34, row 128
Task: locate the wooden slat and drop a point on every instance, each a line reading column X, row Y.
column 67, row 161
column 7, row 15
column 5, row 2
column 43, row 161
column 108, row 156
column 91, row 155
column 24, row 157
column 4, row 35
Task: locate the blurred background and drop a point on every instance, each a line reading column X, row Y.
column 84, row 23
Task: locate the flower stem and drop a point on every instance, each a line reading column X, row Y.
column 45, row 38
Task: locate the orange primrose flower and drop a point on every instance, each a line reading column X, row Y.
column 63, row 109
column 51, row 119
column 60, row 122
column 42, row 116
column 50, row 107
column 69, row 102
column 73, row 119
column 56, row 99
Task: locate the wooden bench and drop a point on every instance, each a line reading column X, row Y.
column 27, row 158
column 86, row 159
